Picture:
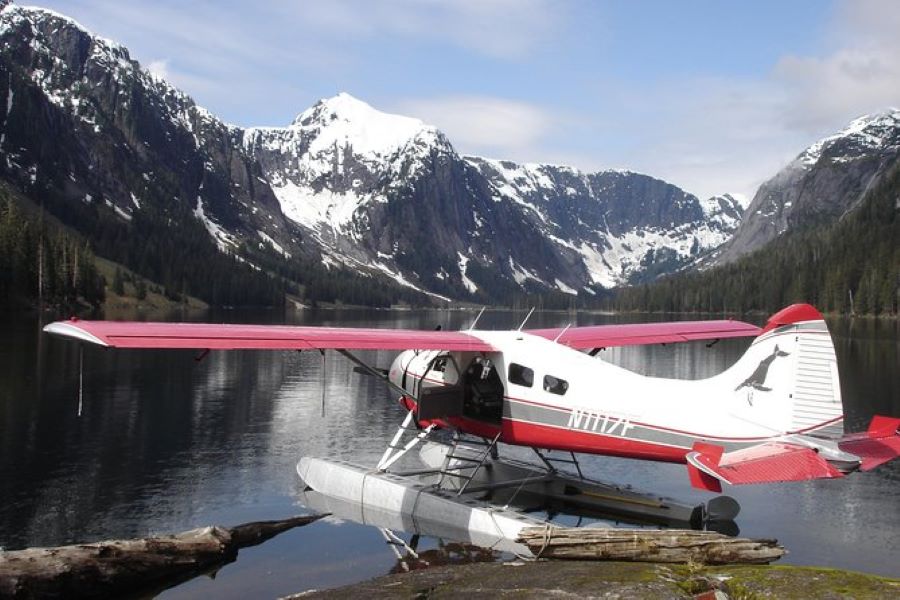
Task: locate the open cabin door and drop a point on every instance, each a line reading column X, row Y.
column 476, row 394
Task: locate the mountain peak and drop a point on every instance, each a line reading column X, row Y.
column 346, row 104
column 344, row 119
column 866, row 133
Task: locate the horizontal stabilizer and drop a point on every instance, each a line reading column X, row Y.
column 767, row 463
column 703, row 467
column 878, row 445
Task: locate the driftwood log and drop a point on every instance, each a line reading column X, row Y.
column 648, row 545
column 130, row 567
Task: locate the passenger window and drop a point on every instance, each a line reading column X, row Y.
column 555, row 385
column 520, row 375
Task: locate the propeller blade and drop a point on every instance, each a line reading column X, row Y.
column 722, row 508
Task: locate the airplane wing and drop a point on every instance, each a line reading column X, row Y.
column 771, row 462
column 211, row 336
column 605, row 336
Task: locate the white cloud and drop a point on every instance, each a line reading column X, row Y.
column 159, row 68
column 729, row 134
column 862, row 77
column 499, row 28
column 482, row 124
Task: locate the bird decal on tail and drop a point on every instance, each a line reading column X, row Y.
column 757, row 379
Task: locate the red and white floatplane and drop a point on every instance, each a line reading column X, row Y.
column 774, row 416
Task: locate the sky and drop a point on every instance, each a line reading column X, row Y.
column 713, row 96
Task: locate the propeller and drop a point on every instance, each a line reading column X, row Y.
column 722, row 508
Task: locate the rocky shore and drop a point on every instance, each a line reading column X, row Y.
column 588, row 579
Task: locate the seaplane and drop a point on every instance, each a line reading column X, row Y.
column 775, row 415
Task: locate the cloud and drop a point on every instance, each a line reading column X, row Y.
column 483, row 124
column 711, row 135
column 862, row 76
column 159, row 68
column 506, row 29
column 858, row 73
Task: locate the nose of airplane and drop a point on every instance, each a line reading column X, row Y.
column 398, row 368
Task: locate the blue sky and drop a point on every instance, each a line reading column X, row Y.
column 713, row 96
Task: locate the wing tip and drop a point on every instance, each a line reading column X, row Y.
column 71, row 331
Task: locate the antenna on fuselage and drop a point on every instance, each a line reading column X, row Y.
column 472, row 326
column 526, row 319
column 556, row 339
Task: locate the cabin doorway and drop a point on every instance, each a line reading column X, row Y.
column 476, row 393
column 482, row 391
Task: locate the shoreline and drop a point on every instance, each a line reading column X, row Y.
column 622, row 580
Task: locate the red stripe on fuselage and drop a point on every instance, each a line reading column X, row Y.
column 524, row 433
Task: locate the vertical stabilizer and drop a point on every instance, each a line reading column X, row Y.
column 791, row 369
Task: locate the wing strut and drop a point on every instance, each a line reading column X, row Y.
column 80, row 378
column 324, row 381
column 369, row 369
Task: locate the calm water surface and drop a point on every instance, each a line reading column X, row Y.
column 165, row 443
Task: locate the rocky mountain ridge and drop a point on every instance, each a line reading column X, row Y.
column 822, row 184
column 100, row 138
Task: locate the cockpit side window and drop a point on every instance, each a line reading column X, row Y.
column 520, row 375
column 555, row 385
column 447, row 366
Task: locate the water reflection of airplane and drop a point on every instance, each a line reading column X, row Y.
column 775, row 415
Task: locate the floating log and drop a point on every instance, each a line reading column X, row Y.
column 120, row 567
column 648, row 545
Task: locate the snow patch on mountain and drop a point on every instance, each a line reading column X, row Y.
column 337, row 156
column 224, row 240
column 344, row 121
column 468, row 283
column 600, row 271
column 521, row 274
column 304, row 205
column 399, row 278
column 725, row 211
column 564, row 288
column 517, row 181
column 275, row 245
column 866, row 133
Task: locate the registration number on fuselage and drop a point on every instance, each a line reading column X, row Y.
column 588, row 420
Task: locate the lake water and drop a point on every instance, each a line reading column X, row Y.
column 165, row 443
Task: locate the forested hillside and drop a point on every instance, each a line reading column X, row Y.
column 39, row 262
column 175, row 252
column 851, row 266
column 171, row 247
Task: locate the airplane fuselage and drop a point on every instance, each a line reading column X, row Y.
column 535, row 392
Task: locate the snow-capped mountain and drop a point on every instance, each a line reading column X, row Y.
column 99, row 138
column 320, row 167
column 623, row 226
column 825, row 182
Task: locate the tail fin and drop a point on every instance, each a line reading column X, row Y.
column 790, row 370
